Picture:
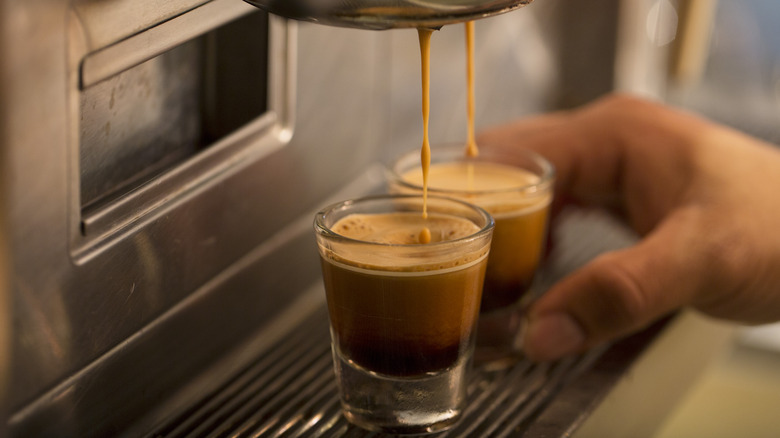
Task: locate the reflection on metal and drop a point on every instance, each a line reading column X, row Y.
column 662, row 22
column 6, row 322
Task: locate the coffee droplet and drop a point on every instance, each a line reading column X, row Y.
column 425, row 235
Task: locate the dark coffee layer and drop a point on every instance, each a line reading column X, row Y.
column 398, row 358
column 403, row 324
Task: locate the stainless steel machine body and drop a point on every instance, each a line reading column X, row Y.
column 160, row 163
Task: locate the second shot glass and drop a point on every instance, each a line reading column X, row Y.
column 516, row 188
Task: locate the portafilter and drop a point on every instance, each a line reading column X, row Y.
column 387, row 14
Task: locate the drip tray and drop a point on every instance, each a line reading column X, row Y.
column 290, row 391
column 288, row 388
column 625, row 389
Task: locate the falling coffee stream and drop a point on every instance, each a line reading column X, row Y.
column 425, row 154
column 471, row 143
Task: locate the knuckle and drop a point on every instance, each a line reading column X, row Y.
column 727, row 259
column 622, row 299
column 621, row 104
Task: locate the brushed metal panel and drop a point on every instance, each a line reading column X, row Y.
column 70, row 305
column 109, row 21
column 34, row 174
column 148, row 43
column 136, row 124
column 6, row 334
column 155, row 132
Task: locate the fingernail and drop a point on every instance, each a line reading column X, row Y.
column 552, row 336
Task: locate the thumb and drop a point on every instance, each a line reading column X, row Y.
column 615, row 294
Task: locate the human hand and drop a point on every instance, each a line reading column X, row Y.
column 702, row 197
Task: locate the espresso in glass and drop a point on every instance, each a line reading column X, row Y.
column 515, row 187
column 403, row 294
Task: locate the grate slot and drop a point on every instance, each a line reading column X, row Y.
column 515, row 386
column 522, row 390
column 313, row 411
column 483, row 400
column 261, row 395
column 281, row 413
column 494, row 394
column 541, row 396
column 215, row 409
column 333, row 423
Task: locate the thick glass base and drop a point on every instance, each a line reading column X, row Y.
column 401, row 405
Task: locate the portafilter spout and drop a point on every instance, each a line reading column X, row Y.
column 387, row 14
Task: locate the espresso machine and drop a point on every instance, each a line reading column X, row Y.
column 160, row 165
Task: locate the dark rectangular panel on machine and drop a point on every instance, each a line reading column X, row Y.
column 146, row 120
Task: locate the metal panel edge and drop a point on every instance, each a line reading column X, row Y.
column 143, row 46
column 99, row 229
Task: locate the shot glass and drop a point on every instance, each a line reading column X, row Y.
column 516, row 188
column 402, row 313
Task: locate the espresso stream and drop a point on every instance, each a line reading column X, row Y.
column 520, row 222
column 425, row 68
column 471, row 143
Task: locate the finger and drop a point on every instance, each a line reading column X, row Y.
column 608, row 153
column 617, row 293
column 554, row 136
column 519, row 131
column 585, row 157
column 540, row 134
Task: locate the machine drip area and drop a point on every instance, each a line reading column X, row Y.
column 387, row 14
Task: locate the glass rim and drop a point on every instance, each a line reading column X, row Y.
column 324, row 231
column 547, row 177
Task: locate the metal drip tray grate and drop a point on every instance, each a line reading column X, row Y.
column 289, row 388
column 290, row 391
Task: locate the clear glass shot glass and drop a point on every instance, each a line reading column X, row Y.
column 403, row 314
column 516, row 188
